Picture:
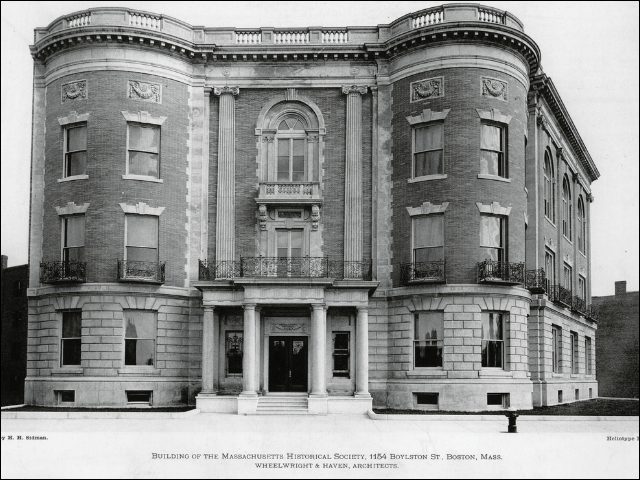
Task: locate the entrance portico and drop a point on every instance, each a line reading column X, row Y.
column 284, row 332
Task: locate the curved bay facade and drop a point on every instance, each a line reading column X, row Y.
column 394, row 216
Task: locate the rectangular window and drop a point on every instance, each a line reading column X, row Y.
column 291, row 162
column 498, row 400
column 341, row 354
column 427, row 401
column 492, row 340
column 66, row 396
column 427, row 339
column 492, row 151
column 574, row 352
column 71, row 340
column 428, row 238
column 139, row 396
column 492, row 238
column 143, row 151
column 587, row 356
column 73, row 238
column 75, row 150
column 139, row 338
column 550, row 269
column 567, row 278
column 428, row 144
column 556, row 339
column 233, row 342
column 582, row 288
column 289, row 243
column 559, row 396
column 142, row 238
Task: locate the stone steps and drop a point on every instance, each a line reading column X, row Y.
column 282, row 405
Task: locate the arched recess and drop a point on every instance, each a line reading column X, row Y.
column 305, row 135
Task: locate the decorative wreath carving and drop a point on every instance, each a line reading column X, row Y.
column 494, row 88
column 144, row 91
column 74, row 91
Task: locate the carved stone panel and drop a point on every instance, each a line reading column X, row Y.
column 74, row 91
column 286, row 326
column 427, row 88
column 145, row 91
column 494, row 88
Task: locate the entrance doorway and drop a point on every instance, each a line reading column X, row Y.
column 288, row 357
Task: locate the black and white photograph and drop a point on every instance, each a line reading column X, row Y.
column 402, row 244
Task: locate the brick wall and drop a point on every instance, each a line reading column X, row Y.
column 106, row 163
column 462, row 187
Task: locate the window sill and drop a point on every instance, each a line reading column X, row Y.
column 425, row 178
column 427, row 372
column 582, row 253
column 142, row 178
column 141, row 371
column 557, row 375
column 494, row 177
column 575, row 375
column 63, row 371
column 72, row 178
column 550, row 221
column 494, row 373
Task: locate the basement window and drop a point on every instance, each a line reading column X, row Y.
column 139, row 397
column 66, row 397
column 500, row 400
column 427, row 401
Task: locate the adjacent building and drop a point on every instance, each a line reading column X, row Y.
column 14, row 331
column 314, row 219
column 617, row 348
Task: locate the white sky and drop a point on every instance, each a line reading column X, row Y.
column 589, row 49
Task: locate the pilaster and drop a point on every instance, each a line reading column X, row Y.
column 362, row 353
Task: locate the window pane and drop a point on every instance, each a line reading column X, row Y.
column 144, row 138
column 283, row 159
column 431, row 254
column 428, row 231
column 74, row 235
column 341, row 341
column 494, row 254
column 491, row 138
column 142, row 163
column 427, row 355
column 142, row 231
column 296, row 239
column 76, row 139
column 71, row 352
column 234, row 365
column 492, row 354
column 71, row 324
column 282, row 239
column 73, row 254
column 489, row 163
column 139, row 352
column 490, row 231
column 76, row 163
column 140, row 254
column 491, row 326
column 433, row 163
column 420, row 168
column 428, row 138
column 140, row 324
column 341, row 362
column 429, row 326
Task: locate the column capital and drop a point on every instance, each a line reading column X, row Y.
column 249, row 306
column 221, row 90
column 355, row 89
column 363, row 308
column 318, row 306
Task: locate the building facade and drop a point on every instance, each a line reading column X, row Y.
column 14, row 331
column 319, row 219
column 617, row 348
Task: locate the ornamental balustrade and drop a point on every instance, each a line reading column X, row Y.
column 500, row 272
column 296, row 189
column 65, row 271
column 138, row 271
column 418, row 272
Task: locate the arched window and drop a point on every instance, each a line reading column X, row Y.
column 549, row 191
column 291, row 147
column 567, row 211
column 582, row 226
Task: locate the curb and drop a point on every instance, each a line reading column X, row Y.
column 471, row 418
column 8, row 415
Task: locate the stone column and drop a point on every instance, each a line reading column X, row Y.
column 225, row 216
column 249, row 351
column 362, row 353
column 319, row 339
column 210, row 339
column 353, row 213
column 257, row 349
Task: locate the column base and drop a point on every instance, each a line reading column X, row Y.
column 247, row 403
column 318, row 404
column 362, row 395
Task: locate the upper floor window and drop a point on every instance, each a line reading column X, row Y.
column 143, row 150
column 492, row 339
column 492, row 238
column 567, row 277
column 582, row 226
column 291, row 138
column 567, row 209
column 75, row 150
column 549, row 190
column 493, row 158
column 428, row 148
column 549, row 269
column 141, row 238
column 73, row 227
column 428, row 336
column 582, row 287
column 428, row 238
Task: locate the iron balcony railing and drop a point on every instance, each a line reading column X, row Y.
column 500, row 272
column 593, row 312
column 138, row 271
column 283, row 267
column 579, row 305
column 67, row 271
column 418, row 272
column 560, row 294
column 536, row 280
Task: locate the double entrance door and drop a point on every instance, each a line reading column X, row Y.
column 288, row 358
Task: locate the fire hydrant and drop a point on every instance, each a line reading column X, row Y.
column 512, row 422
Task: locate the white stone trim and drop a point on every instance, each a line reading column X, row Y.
column 143, row 117
column 437, row 80
column 73, row 177
column 427, row 208
column 494, row 208
column 73, row 117
column 484, row 89
column 141, row 209
column 72, row 209
column 494, row 177
column 283, row 98
column 428, row 115
column 494, row 115
column 424, row 178
column 143, row 178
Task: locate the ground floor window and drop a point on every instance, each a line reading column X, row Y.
column 234, row 353
column 427, row 343
column 492, row 340
column 341, row 354
column 139, row 338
